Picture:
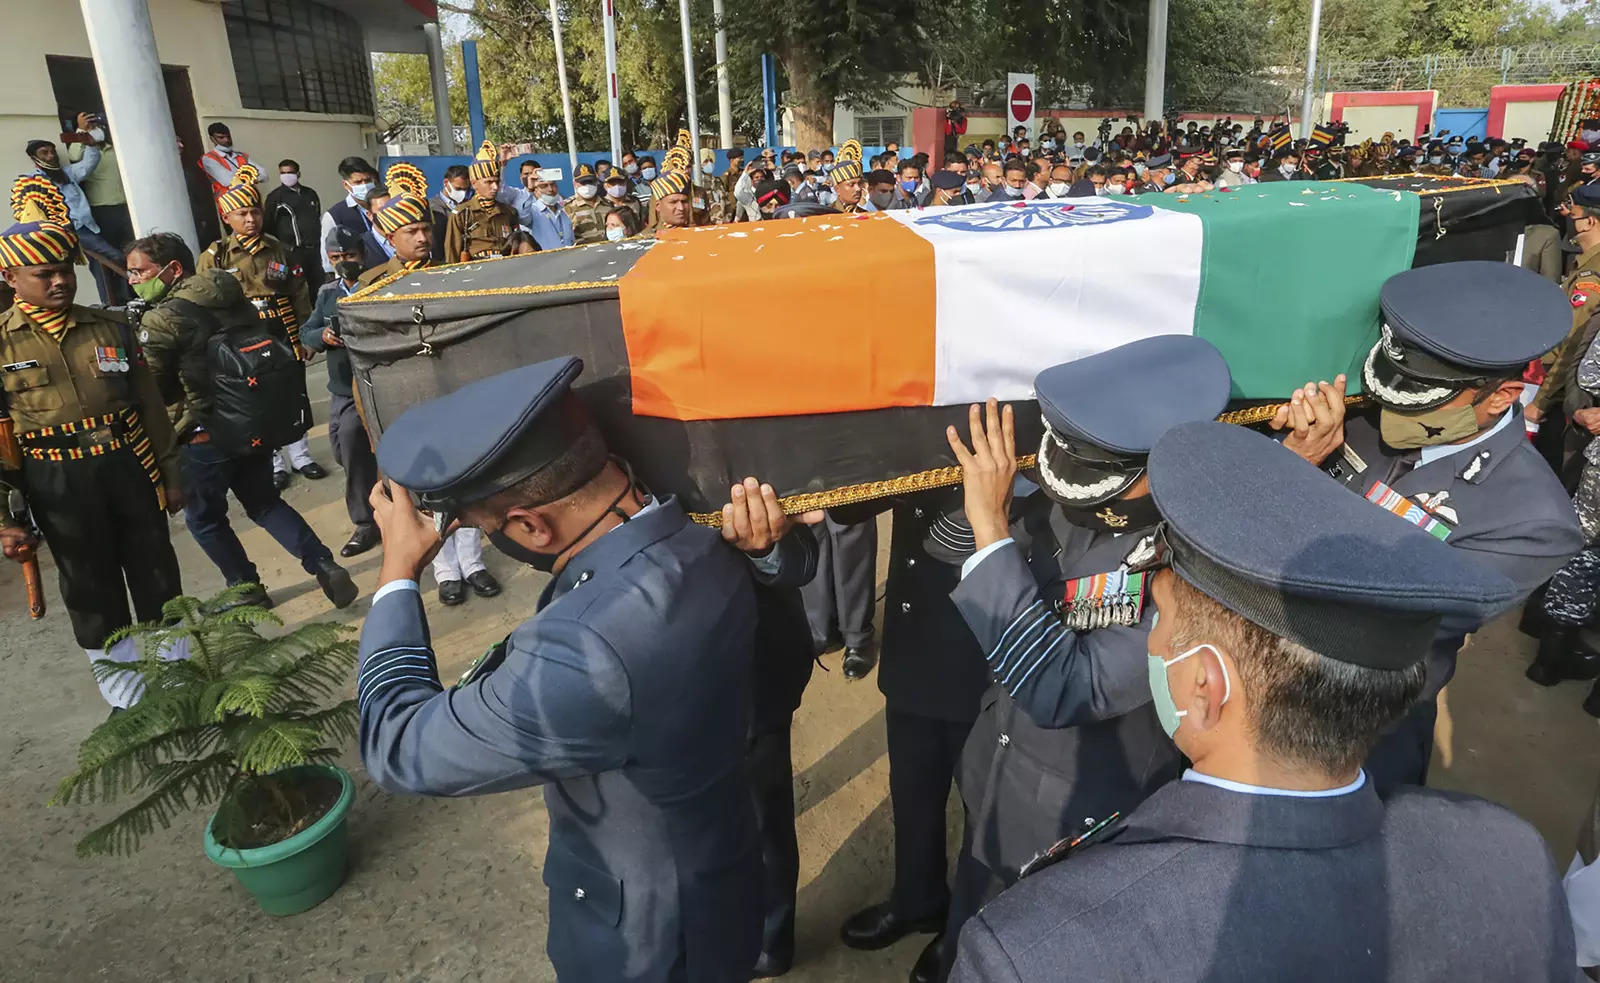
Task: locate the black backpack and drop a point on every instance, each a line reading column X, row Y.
column 257, row 384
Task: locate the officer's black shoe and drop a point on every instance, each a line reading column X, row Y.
column 363, row 539
column 878, row 926
column 1534, row 622
column 1591, row 703
column 767, row 966
column 926, row 969
column 452, row 592
column 483, row 583
column 859, row 661
column 336, row 583
column 280, row 480
column 313, row 471
column 1554, row 645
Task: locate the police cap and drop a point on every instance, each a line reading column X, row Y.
column 342, row 240
column 946, row 180
column 1590, row 157
column 486, row 436
column 1444, row 329
column 1159, row 160
column 1358, row 584
column 1586, row 195
column 1093, row 433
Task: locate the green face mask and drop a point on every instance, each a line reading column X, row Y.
column 1441, row 425
column 1167, row 711
column 151, row 290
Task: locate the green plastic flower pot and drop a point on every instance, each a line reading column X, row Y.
column 298, row 873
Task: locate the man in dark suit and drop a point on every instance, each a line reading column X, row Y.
column 1294, row 625
column 1067, row 735
column 627, row 695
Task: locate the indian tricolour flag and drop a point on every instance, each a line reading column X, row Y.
column 935, row 307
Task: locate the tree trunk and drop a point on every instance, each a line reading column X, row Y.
column 811, row 101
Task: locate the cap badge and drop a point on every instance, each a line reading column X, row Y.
column 1111, row 518
column 1391, row 347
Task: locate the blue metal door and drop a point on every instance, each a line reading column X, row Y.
column 1473, row 124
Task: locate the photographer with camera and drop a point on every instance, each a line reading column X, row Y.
column 955, row 125
column 351, row 447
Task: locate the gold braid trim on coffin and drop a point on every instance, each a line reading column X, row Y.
column 1469, row 183
column 951, row 476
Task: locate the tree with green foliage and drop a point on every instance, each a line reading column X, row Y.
column 218, row 726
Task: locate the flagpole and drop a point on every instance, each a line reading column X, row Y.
column 566, row 95
column 613, row 104
column 1311, row 69
column 695, row 173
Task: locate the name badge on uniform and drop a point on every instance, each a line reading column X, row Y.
column 31, row 363
column 1103, row 600
column 1389, row 500
column 111, row 360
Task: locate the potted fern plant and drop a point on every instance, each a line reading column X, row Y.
column 240, row 721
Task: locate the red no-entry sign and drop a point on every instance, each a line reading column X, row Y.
column 1021, row 102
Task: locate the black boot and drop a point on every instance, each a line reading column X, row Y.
column 1591, row 703
column 1555, row 651
column 1534, row 621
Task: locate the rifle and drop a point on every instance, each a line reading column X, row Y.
column 16, row 510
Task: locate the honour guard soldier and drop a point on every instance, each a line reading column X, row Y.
column 479, row 229
column 587, row 207
column 847, row 178
column 272, row 280
column 398, row 221
column 669, row 201
column 1448, row 450
column 1284, row 646
column 87, row 444
column 1067, row 734
column 1582, row 287
column 627, row 695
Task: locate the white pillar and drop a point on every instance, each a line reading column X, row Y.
column 696, row 175
column 566, row 95
column 1155, row 61
column 1311, row 70
column 724, row 97
column 441, row 90
column 123, row 46
column 608, row 18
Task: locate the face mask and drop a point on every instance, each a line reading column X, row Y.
column 289, row 180
column 1287, row 169
column 827, row 167
column 350, row 269
column 1116, row 189
column 1013, row 192
column 587, row 191
column 360, row 191
column 908, row 186
column 1049, row 145
column 975, row 187
column 1435, row 159
column 1441, row 425
column 549, row 201
column 1223, row 141
column 811, row 180
column 1236, row 166
column 546, row 562
column 1101, row 191
column 630, row 168
column 1161, row 690
column 616, row 190
column 1169, row 178
column 616, row 233
column 881, row 199
column 1058, row 189
column 97, row 135
column 457, row 195
column 151, row 290
column 1117, row 515
column 649, row 174
column 1141, row 169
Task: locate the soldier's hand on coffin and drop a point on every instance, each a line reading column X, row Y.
column 753, row 521
column 14, row 541
column 1315, row 415
column 1588, row 419
column 987, row 470
column 410, row 538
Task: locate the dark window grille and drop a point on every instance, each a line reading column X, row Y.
column 299, row 56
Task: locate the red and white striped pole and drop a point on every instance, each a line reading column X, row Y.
column 613, row 104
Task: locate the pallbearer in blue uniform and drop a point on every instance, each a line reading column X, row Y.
column 1067, row 735
column 627, row 695
column 1294, row 624
column 1447, row 449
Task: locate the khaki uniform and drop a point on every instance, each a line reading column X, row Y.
column 712, row 206
column 389, row 269
column 840, row 206
column 478, row 230
column 271, row 279
column 96, row 443
column 588, row 219
column 1582, row 286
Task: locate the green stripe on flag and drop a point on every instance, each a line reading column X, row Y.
column 1289, row 279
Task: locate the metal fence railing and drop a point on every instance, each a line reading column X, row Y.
column 1464, row 78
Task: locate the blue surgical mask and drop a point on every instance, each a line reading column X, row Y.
column 1048, row 144
column 908, row 186
column 616, row 233
column 1169, row 178
column 648, row 173
column 1167, row 711
column 360, row 191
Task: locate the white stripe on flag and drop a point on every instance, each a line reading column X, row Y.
column 1066, row 277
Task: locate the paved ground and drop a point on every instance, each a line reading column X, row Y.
column 450, row 890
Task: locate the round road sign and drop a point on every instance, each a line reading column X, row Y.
column 1021, row 102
